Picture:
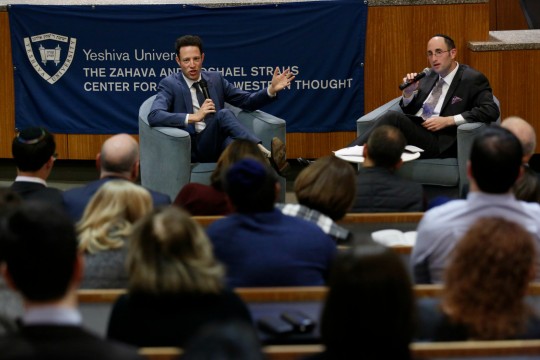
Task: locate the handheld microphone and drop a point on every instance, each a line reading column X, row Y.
column 406, row 84
column 204, row 88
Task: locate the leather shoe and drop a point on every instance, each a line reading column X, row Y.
column 278, row 156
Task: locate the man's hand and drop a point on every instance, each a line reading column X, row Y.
column 408, row 92
column 438, row 123
column 280, row 81
column 207, row 107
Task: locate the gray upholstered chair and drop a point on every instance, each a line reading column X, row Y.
column 166, row 152
column 450, row 172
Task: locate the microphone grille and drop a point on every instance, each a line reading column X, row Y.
column 427, row 71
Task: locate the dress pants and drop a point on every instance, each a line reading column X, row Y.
column 411, row 128
column 221, row 129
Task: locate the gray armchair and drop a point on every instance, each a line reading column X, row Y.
column 166, row 152
column 450, row 172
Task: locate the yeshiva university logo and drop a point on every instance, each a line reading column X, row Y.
column 51, row 49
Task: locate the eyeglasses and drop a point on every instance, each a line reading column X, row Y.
column 55, row 156
column 437, row 53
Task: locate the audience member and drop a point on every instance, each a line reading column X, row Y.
column 378, row 188
column 175, row 284
column 494, row 166
column 44, row 266
column 259, row 245
column 104, row 229
column 10, row 302
column 527, row 187
column 325, row 192
column 33, row 150
column 225, row 341
column 368, row 312
column 485, row 286
column 118, row 159
column 200, row 199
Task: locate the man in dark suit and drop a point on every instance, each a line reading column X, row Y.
column 33, row 150
column 44, row 265
column 451, row 95
column 118, row 159
column 181, row 102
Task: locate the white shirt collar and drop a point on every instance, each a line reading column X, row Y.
column 31, row 179
column 189, row 81
column 448, row 78
column 51, row 315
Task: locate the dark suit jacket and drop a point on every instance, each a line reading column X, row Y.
column 173, row 100
column 38, row 192
column 75, row 200
column 469, row 95
column 50, row 342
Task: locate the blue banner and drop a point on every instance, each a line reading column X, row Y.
column 87, row 69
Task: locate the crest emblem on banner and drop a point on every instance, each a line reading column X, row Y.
column 50, row 52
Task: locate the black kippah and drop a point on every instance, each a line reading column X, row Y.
column 31, row 135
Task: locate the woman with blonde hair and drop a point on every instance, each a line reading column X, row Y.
column 200, row 199
column 485, row 285
column 104, row 229
column 175, row 284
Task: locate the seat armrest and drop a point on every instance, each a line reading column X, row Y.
column 165, row 155
column 265, row 126
column 365, row 122
column 465, row 137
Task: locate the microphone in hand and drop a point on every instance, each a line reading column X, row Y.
column 419, row 76
column 204, row 88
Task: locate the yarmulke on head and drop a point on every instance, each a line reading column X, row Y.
column 251, row 186
column 32, row 148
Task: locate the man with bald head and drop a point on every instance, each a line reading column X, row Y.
column 527, row 187
column 524, row 132
column 118, row 159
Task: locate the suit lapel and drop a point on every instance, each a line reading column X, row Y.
column 186, row 92
column 427, row 87
column 453, row 87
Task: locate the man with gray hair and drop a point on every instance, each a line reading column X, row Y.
column 118, row 159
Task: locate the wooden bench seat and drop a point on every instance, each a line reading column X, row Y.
column 460, row 349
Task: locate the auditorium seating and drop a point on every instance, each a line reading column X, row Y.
column 450, row 172
column 477, row 350
column 166, row 152
column 95, row 305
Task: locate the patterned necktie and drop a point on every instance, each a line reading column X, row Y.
column 431, row 103
column 198, row 92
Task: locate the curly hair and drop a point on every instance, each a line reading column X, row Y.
column 487, row 279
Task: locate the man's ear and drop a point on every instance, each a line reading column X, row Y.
column 365, row 151
column 135, row 170
column 469, row 169
column 98, row 161
column 521, row 172
column 278, row 191
column 398, row 164
column 7, row 276
column 78, row 269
